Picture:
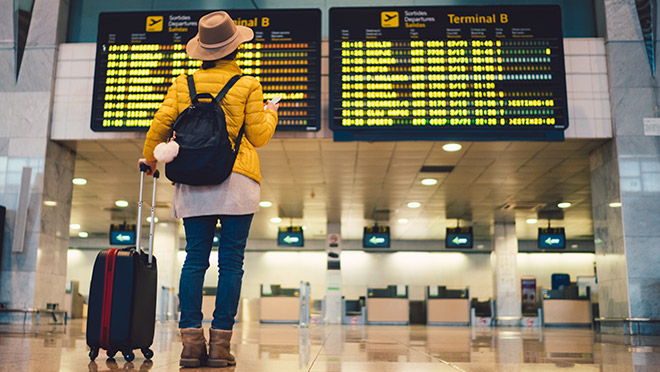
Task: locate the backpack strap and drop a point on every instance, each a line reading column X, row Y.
column 191, row 87
column 219, row 98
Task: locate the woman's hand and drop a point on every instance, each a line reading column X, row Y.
column 150, row 164
column 272, row 106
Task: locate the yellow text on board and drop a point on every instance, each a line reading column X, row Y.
column 477, row 18
column 253, row 22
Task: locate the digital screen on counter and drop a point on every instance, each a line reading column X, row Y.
column 139, row 54
column 376, row 237
column 459, row 237
column 552, row 237
column 460, row 72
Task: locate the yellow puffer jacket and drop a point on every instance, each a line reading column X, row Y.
column 243, row 104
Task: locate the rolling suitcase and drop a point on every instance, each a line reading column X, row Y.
column 121, row 313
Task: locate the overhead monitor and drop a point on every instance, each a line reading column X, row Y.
column 122, row 234
column 459, row 237
column 376, row 237
column 138, row 54
column 290, row 236
column 552, row 237
column 440, row 73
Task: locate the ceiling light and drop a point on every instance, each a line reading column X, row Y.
column 429, row 181
column 83, row 234
column 79, row 181
column 564, row 205
column 265, row 204
column 74, row 226
column 532, row 221
column 50, row 203
column 304, row 227
column 615, row 205
column 275, row 220
column 155, row 219
column 121, row 203
column 452, row 147
column 402, row 220
column 414, row 204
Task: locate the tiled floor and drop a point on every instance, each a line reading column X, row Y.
column 266, row 348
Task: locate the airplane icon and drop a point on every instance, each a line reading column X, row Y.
column 152, row 22
column 389, row 19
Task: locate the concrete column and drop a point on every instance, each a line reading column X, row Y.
column 166, row 249
column 333, row 276
column 507, row 287
column 36, row 275
column 627, row 171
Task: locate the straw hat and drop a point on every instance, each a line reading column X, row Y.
column 217, row 37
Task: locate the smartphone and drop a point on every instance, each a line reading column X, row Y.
column 274, row 100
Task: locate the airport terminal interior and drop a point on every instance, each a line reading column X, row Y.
column 452, row 185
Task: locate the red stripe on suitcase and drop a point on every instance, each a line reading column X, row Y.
column 108, row 284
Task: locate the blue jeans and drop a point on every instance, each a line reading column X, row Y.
column 199, row 239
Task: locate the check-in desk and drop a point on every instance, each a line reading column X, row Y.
column 353, row 311
column 447, row 306
column 563, row 307
column 279, row 305
column 388, row 306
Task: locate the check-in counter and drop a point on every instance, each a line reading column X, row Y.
column 279, row 305
column 447, row 306
column 353, row 311
column 389, row 306
column 564, row 307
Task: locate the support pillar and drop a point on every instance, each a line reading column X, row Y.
column 508, row 307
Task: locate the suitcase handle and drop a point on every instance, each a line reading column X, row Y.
column 143, row 169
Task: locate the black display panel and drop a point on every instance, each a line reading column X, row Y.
column 376, row 237
column 552, row 237
column 138, row 54
column 291, row 236
column 459, row 73
column 122, row 234
column 459, row 237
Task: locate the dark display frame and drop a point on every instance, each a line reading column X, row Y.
column 459, row 232
column 550, row 233
column 293, row 26
column 538, row 23
column 370, row 232
column 290, row 230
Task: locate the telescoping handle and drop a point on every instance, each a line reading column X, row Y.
column 144, row 168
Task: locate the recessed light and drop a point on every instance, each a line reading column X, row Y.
column 304, row 227
column 429, row 181
column 50, row 203
column 615, row 205
column 532, row 221
column 275, row 220
column 452, row 147
column 564, row 205
column 265, row 204
column 414, row 204
column 79, row 181
column 121, row 203
column 402, row 220
column 74, row 226
column 83, row 234
column 155, row 219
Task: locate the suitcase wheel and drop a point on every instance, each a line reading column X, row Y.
column 111, row 354
column 147, row 353
column 93, row 353
column 129, row 356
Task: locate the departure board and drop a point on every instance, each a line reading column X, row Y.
column 139, row 54
column 460, row 73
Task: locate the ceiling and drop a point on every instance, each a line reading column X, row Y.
column 315, row 181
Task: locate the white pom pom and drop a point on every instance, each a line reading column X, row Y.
column 166, row 152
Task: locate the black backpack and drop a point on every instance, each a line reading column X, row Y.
column 205, row 154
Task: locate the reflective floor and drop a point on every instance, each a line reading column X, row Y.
column 267, row 348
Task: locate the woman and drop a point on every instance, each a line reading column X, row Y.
column 233, row 202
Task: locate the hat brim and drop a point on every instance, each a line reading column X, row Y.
column 195, row 50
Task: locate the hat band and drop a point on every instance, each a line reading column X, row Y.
column 218, row 45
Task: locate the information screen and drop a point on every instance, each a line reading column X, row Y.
column 291, row 236
column 138, row 55
column 460, row 72
column 122, row 234
column 376, row 237
column 459, row 237
column 552, row 237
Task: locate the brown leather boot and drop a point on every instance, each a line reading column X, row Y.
column 194, row 347
column 219, row 355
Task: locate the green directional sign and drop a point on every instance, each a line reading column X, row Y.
column 458, row 237
column 376, row 237
column 290, row 236
column 122, row 234
column 552, row 237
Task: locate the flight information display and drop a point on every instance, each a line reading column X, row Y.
column 460, row 72
column 139, row 54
